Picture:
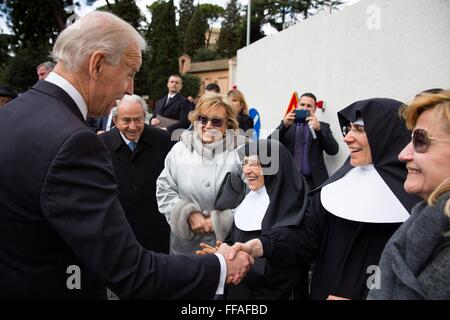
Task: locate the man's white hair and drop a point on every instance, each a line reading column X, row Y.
column 127, row 99
column 96, row 31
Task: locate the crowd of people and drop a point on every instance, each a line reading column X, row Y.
column 129, row 199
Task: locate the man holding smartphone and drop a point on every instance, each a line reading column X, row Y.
column 306, row 138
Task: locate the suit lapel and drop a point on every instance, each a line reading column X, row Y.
column 53, row 90
column 172, row 101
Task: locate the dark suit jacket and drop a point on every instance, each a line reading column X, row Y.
column 59, row 207
column 324, row 142
column 245, row 122
column 178, row 108
column 136, row 173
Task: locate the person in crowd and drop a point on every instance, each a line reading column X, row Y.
column 212, row 87
column 193, row 172
column 44, row 69
column 7, row 93
column 415, row 263
column 63, row 231
column 277, row 198
column 241, row 109
column 138, row 152
column 174, row 108
column 307, row 140
column 353, row 214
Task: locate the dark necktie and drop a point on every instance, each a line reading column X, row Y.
column 299, row 146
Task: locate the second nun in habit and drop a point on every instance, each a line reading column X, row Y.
column 277, row 197
column 354, row 213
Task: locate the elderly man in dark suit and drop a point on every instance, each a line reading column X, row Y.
column 138, row 152
column 307, row 140
column 173, row 106
column 63, row 232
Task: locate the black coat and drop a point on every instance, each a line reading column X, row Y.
column 245, row 122
column 136, row 173
column 324, row 142
column 178, row 108
column 59, row 207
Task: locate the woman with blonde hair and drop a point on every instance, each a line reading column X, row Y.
column 415, row 263
column 193, row 171
column 241, row 109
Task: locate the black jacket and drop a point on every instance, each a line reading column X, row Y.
column 136, row 173
column 59, row 208
column 324, row 142
column 178, row 108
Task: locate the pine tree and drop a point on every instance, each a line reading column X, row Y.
column 163, row 53
column 186, row 12
column 195, row 34
column 128, row 11
column 230, row 34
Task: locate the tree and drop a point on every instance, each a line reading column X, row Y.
column 34, row 31
column 163, row 53
column 186, row 12
column 191, row 85
column 211, row 14
column 128, row 11
column 231, row 32
column 195, row 34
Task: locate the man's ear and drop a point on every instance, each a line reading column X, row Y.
column 96, row 64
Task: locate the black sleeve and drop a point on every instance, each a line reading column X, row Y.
column 328, row 142
column 295, row 246
column 183, row 123
column 80, row 200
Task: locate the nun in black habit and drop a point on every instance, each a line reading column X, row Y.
column 354, row 213
column 277, row 198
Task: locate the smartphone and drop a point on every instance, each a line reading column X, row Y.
column 301, row 115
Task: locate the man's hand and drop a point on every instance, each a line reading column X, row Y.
column 313, row 121
column 197, row 223
column 289, row 119
column 238, row 267
column 155, row 122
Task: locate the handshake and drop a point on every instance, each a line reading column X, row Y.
column 239, row 257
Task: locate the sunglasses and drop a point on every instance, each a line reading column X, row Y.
column 421, row 140
column 216, row 122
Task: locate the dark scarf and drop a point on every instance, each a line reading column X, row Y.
column 410, row 250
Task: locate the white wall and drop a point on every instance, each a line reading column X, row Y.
column 375, row 48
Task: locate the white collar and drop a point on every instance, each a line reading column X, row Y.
column 125, row 139
column 250, row 213
column 171, row 95
column 56, row 79
column 362, row 195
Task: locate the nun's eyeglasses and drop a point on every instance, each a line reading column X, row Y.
column 355, row 128
column 421, row 140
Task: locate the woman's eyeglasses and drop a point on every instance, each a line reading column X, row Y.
column 356, row 128
column 421, row 140
column 215, row 121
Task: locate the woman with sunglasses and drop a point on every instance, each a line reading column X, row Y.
column 416, row 261
column 354, row 213
column 193, row 172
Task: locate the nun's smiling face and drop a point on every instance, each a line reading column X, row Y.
column 253, row 172
column 358, row 145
